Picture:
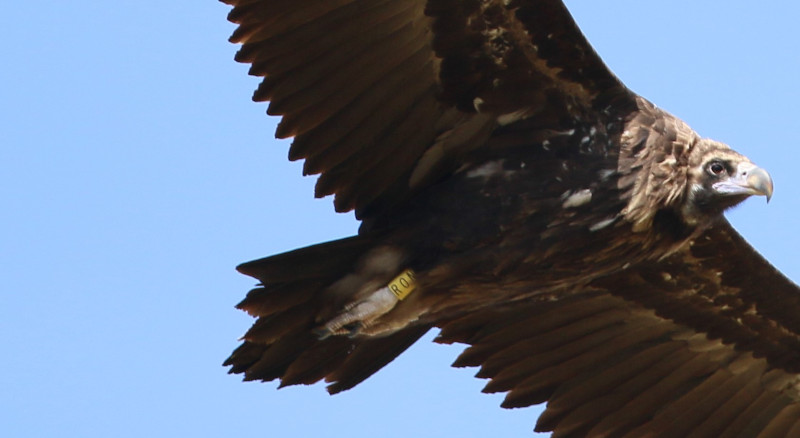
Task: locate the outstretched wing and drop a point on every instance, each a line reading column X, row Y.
column 707, row 342
column 383, row 96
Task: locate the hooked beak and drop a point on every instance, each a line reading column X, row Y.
column 748, row 180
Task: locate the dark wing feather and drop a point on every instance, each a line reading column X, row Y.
column 720, row 285
column 703, row 342
column 381, row 95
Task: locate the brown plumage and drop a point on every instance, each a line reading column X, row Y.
column 566, row 229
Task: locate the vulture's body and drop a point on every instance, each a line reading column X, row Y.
column 530, row 206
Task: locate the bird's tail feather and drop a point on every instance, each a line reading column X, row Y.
column 289, row 303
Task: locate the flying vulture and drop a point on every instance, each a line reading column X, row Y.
column 516, row 196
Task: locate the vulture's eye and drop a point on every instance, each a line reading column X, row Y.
column 716, row 168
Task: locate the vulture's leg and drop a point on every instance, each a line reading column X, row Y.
column 359, row 315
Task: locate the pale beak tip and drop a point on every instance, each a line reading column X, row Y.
column 761, row 182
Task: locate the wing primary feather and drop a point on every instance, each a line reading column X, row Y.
column 680, row 416
column 393, row 168
column 762, row 403
column 261, row 20
column 760, row 421
column 548, row 342
column 367, row 58
column 473, row 326
column 365, row 121
column 715, row 424
column 604, row 380
column 363, row 142
column 315, row 37
column 401, row 149
column 492, row 338
column 548, row 368
column 328, row 52
column 583, row 356
column 588, row 415
column 782, row 424
column 335, row 81
column 364, row 168
column 697, row 405
column 794, row 430
column 647, row 400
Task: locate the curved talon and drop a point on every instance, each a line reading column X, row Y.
column 358, row 315
column 355, row 330
column 322, row 333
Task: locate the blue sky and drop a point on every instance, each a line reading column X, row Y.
column 135, row 174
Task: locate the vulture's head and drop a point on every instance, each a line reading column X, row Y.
column 719, row 178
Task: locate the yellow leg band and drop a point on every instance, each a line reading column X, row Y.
column 403, row 284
